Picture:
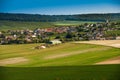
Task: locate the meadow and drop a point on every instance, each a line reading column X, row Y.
column 71, row 23
column 68, row 61
column 91, row 72
column 19, row 25
column 67, row 54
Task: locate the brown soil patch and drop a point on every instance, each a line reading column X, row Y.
column 113, row 43
column 111, row 61
column 12, row 61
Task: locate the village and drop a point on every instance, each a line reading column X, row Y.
column 83, row 32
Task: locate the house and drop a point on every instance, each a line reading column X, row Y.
column 56, row 41
column 49, row 30
column 102, row 38
column 0, row 32
column 28, row 40
column 118, row 38
column 9, row 37
column 3, row 41
column 33, row 36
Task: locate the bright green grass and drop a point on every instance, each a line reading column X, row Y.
column 67, row 23
column 77, row 54
column 17, row 25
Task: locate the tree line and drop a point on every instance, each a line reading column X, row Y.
column 51, row 18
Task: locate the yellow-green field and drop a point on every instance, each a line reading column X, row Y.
column 67, row 54
column 69, row 23
column 18, row 25
column 68, row 61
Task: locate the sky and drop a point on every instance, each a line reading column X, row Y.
column 60, row 7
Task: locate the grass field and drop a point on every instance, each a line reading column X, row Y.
column 68, row 61
column 68, row 23
column 15, row 25
column 67, row 54
column 92, row 72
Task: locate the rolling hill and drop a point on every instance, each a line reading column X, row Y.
column 66, row 61
column 67, row 54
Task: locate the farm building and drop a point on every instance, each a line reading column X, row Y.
column 118, row 38
column 0, row 32
column 55, row 42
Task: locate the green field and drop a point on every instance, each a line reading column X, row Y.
column 17, row 25
column 67, row 54
column 92, row 72
column 68, row 61
column 68, row 23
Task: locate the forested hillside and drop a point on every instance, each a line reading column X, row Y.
column 51, row 18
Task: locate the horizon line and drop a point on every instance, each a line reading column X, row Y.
column 58, row 14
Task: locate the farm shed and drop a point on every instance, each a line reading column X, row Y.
column 118, row 38
column 55, row 42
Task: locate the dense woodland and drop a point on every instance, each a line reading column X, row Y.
column 51, row 18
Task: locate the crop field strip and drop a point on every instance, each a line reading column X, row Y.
column 15, row 25
column 63, row 54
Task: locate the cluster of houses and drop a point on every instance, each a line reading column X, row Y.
column 30, row 35
column 91, row 31
column 99, row 31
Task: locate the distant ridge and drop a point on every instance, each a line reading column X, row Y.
column 50, row 18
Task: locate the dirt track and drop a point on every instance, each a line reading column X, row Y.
column 12, row 61
column 111, row 61
column 113, row 43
